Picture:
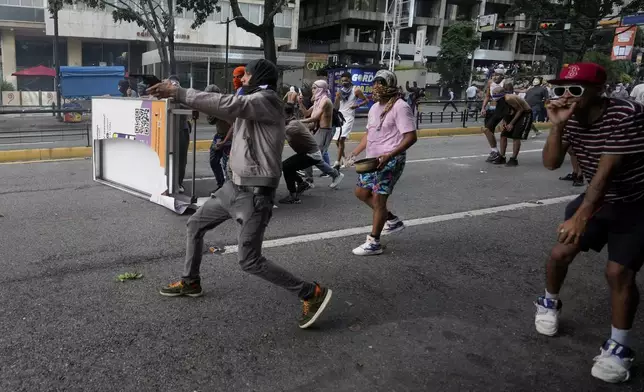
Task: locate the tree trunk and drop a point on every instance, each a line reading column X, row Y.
column 170, row 33
column 163, row 57
column 268, row 38
column 172, row 62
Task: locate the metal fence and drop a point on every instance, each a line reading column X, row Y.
column 44, row 129
column 469, row 113
column 26, row 132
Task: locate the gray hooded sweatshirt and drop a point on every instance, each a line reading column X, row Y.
column 258, row 132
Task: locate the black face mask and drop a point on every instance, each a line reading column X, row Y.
column 346, row 84
column 263, row 73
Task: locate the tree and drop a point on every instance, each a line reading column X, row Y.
column 458, row 45
column 156, row 17
column 266, row 30
column 582, row 15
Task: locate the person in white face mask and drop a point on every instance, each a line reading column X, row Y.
column 347, row 99
column 620, row 92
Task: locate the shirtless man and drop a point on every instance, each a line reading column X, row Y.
column 489, row 106
column 321, row 115
column 291, row 96
column 515, row 116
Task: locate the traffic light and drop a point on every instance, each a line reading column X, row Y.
column 547, row 25
column 505, row 26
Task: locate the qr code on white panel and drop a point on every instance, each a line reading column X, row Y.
column 142, row 121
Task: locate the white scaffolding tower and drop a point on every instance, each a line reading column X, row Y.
column 398, row 16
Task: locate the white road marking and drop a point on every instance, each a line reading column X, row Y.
column 411, row 222
column 414, row 161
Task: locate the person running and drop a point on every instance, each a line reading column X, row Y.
column 515, row 120
column 390, row 132
column 321, row 115
column 347, row 100
column 489, row 105
column 258, row 141
column 450, row 94
column 307, row 154
column 220, row 147
column 607, row 136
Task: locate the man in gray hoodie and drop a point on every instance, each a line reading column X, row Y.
column 255, row 161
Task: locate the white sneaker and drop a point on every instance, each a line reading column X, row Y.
column 547, row 318
column 393, row 226
column 336, row 181
column 613, row 363
column 370, row 247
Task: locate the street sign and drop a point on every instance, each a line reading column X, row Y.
column 633, row 20
column 487, row 22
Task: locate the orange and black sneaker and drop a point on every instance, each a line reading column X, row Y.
column 313, row 307
column 177, row 289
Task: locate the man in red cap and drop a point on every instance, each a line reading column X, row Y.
column 607, row 136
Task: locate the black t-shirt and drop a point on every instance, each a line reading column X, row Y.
column 536, row 95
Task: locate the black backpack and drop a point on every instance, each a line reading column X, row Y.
column 338, row 119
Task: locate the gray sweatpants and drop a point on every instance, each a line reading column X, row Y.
column 323, row 137
column 252, row 214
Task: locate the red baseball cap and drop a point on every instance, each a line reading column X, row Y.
column 581, row 73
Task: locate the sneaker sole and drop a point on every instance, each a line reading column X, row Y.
column 396, row 230
column 545, row 332
column 600, row 374
column 317, row 314
column 378, row 252
column 194, row 295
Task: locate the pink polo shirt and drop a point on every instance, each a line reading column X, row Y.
column 399, row 120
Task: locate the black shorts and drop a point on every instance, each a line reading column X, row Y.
column 492, row 119
column 522, row 128
column 621, row 226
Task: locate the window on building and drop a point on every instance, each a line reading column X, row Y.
column 97, row 53
column 321, row 7
column 288, row 18
column 226, row 12
column 333, row 7
column 253, row 13
column 31, row 52
column 309, row 10
column 243, row 7
column 363, row 5
column 424, row 8
column 278, row 19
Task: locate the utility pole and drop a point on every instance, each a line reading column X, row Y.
column 56, row 58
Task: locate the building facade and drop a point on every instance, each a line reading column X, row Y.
column 353, row 30
column 90, row 37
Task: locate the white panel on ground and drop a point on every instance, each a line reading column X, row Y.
column 132, row 164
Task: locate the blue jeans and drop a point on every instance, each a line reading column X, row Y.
column 219, row 160
column 326, row 159
column 538, row 113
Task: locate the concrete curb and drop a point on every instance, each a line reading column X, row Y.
column 45, row 154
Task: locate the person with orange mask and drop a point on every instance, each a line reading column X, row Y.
column 238, row 73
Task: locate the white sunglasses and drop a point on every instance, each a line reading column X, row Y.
column 574, row 90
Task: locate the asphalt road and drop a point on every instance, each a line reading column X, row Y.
column 448, row 307
column 38, row 131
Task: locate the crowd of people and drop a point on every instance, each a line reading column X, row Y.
column 605, row 134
